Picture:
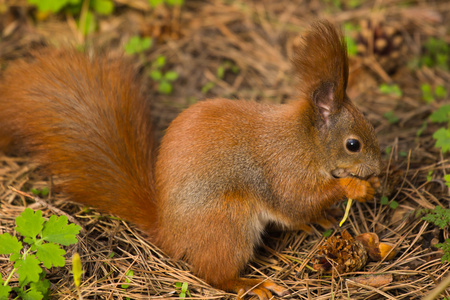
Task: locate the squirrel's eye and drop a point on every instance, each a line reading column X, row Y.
column 353, row 145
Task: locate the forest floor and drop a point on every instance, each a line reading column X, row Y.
column 399, row 76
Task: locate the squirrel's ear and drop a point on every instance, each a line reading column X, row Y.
column 320, row 57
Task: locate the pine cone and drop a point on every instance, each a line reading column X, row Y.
column 341, row 253
column 384, row 42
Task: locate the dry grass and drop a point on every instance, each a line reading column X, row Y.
column 257, row 37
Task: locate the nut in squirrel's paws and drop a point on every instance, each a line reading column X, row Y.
column 357, row 189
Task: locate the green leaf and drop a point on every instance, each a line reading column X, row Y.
column 160, row 61
column 51, row 255
column 146, row 43
column 441, row 115
column 207, row 87
column 391, row 89
column 175, row 2
column 220, row 72
column 165, row 87
column 32, row 295
column 154, row 3
column 440, row 92
column 28, row 269
column 384, row 200
column 388, row 150
column 53, row 6
column 427, row 94
column 446, row 247
column 447, row 180
column 4, row 290
column 393, row 204
column 102, row 7
column 90, row 24
column 132, row 45
column 45, row 191
column 57, row 230
column 184, row 287
column 442, row 61
column 128, row 277
column 156, row 75
column 29, row 223
column 439, row 216
column 171, row 75
column 352, row 47
column 422, row 128
column 42, row 286
column 9, row 244
column 391, row 117
column 430, row 175
column 327, row 233
column 442, row 137
column 137, row 44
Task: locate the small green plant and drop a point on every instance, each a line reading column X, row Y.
column 87, row 22
column 128, row 277
column 385, row 201
column 327, row 233
column 422, row 128
column 164, row 79
column 225, row 66
column 388, row 150
column 430, row 175
column 154, row 3
column 41, row 192
column 207, row 87
column 428, row 95
column 447, row 180
column 104, row 7
column 439, row 216
column 442, row 135
column 352, row 47
column 390, row 89
column 445, row 246
column 137, row 45
column 391, row 117
column 182, row 287
column 436, row 54
column 42, row 239
column 441, row 115
column 221, row 70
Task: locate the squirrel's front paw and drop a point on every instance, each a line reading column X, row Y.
column 357, row 189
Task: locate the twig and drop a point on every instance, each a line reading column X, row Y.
column 45, row 204
column 438, row 290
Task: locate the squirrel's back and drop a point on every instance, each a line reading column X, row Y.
column 84, row 120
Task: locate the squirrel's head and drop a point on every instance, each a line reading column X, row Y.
column 346, row 139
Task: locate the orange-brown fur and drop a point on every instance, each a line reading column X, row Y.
column 225, row 169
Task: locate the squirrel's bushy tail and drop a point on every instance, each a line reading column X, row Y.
column 84, row 120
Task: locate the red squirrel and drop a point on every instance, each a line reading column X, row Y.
column 224, row 169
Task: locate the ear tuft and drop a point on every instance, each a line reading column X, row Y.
column 322, row 65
